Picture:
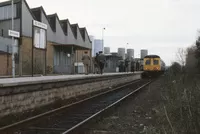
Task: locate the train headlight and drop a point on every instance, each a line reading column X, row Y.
column 156, row 68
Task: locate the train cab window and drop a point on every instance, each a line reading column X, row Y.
column 148, row 62
column 155, row 62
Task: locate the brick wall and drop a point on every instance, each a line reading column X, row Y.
column 11, row 104
column 6, row 64
column 80, row 53
column 50, row 54
column 26, row 57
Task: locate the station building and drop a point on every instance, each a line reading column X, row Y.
column 65, row 42
column 112, row 62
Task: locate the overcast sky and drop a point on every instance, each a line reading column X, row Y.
column 161, row 26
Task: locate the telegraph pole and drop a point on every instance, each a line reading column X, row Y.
column 13, row 55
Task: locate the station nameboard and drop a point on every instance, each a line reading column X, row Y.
column 39, row 24
column 13, row 33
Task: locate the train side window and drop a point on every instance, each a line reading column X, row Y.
column 148, row 62
column 155, row 62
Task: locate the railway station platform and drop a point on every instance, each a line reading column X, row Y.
column 27, row 93
column 4, row 82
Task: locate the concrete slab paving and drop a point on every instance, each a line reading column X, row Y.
column 44, row 79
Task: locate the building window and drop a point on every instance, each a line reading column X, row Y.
column 6, row 12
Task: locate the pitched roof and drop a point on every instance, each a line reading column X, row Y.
column 64, row 25
column 74, row 28
column 82, row 31
column 52, row 21
column 9, row 2
column 36, row 14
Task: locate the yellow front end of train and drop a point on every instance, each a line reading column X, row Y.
column 153, row 65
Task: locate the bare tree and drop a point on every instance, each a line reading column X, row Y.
column 181, row 56
column 191, row 61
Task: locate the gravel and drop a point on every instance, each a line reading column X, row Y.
column 134, row 115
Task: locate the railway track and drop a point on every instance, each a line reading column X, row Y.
column 70, row 118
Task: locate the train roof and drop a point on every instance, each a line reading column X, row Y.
column 152, row 56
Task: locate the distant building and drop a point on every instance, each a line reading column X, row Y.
column 92, row 40
column 121, row 52
column 106, row 50
column 144, row 53
column 126, row 55
column 98, row 46
column 112, row 62
column 130, row 53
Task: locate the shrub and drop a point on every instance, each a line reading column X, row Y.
column 180, row 107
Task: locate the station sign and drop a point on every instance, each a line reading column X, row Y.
column 39, row 24
column 13, row 33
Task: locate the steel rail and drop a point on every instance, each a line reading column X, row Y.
column 104, row 109
column 15, row 125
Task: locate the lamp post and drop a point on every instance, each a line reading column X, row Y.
column 127, row 57
column 13, row 56
column 126, row 47
column 103, row 38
